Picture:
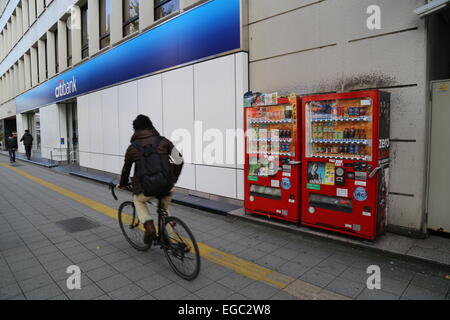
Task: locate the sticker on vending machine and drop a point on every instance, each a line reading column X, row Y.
column 360, row 194
column 361, row 183
column 342, row 193
column 329, row 174
column 286, row 183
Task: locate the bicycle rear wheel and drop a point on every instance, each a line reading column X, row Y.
column 131, row 228
column 181, row 249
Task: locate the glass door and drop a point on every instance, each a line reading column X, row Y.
column 72, row 133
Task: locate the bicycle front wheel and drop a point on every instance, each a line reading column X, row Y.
column 181, row 249
column 131, row 227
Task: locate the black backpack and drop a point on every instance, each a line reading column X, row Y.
column 155, row 172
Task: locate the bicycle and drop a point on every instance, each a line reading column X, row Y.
column 172, row 236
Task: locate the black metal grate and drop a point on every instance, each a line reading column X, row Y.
column 77, row 224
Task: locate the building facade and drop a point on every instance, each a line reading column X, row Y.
column 76, row 73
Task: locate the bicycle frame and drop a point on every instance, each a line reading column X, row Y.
column 162, row 214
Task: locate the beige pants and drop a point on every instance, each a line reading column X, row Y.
column 140, row 202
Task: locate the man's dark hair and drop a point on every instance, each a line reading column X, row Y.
column 142, row 122
column 27, row 131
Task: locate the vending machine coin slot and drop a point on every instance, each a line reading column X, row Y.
column 340, row 176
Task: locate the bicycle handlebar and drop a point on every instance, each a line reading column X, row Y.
column 112, row 187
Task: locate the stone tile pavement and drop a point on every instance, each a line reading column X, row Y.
column 35, row 252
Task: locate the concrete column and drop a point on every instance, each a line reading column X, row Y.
column 19, row 22
column 25, row 18
column 10, row 40
column 62, row 45
column 13, row 30
column 32, row 11
column 42, row 60
column 51, row 55
column 2, row 87
column 116, row 21
column 2, row 47
column 40, row 7
column 21, row 76
column 146, row 14
column 94, row 26
column 76, row 35
column 1, row 90
column 34, row 66
column 22, row 125
column 14, row 82
column 6, row 86
column 9, row 87
column 27, row 70
column 10, row 83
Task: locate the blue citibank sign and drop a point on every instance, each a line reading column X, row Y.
column 208, row 30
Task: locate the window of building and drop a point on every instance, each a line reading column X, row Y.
column 105, row 15
column 69, row 42
column 165, row 7
column 35, row 8
column 84, row 32
column 130, row 16
column 56, row 51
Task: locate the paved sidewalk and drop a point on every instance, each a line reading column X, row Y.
column 35, row 252
column 433, row 249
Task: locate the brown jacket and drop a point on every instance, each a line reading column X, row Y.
column 143, row 137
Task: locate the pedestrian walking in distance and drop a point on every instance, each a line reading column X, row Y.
column 11, row 145
column 27, row 140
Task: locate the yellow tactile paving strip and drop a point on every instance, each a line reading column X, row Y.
column 297, row 288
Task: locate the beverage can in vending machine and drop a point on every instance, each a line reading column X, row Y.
column 351, row 149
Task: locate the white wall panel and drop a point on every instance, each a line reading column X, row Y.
column 219, row 181
column 85, row 159
column 128, row 111
column 97, row 161
column 241, row 89
column 150, row 100
column 215, row 103
column 83, row 124
column 110, row 115
column 178, row 105
column 240, row 184
column 95, row 123
column 187, row 177
column 112, row 164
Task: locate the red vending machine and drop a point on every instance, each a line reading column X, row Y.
column 345, row 165
column 272, row 160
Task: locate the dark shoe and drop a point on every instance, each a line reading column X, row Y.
column 150, row 232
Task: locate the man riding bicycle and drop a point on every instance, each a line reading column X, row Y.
column 145, row 134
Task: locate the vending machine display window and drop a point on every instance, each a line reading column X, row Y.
column 272, row 166
column 339, row 129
